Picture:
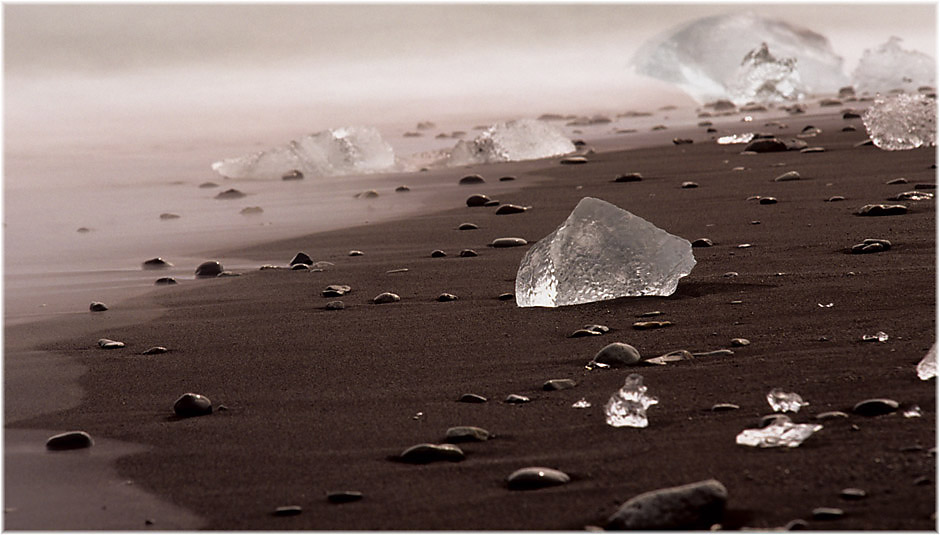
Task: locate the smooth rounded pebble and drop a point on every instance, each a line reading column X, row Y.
column 507, row 178
column 740, row 342
column 617, row 354
column 831, row 415
column 335, row 305
column 871, row 245
column 251, row 210
column 827, row 513
column 467, row 253
column 536, row 477
column 211, row 268
column 689, row 184
column 155, row 350
column 767, row 200
column 386, row 297
column 629, row 177
column 852, row 493
column 507, row 296
column 189, row 405
column 467, row 433
column 107, row 343
column 336, row 290
column 72, row 440
column 471, row 179
column 355, row 252
column 694, row 506
column 402, row 189
column 766, row 145
column 230, row 194
column 82, row 230
column 208, row 185
column 293, row 174
column 516, row 399
column 896, row 181
column 721, row 407
column 437, row 253
column 875, row 407
column 166, row 216
column 429, row 453
column 97, row 306
column 573, row 160
column 835, row 198
column 446, row 297
column 796, row 524
column 471, row 398
column 467, row 226
column 156, row 263
column 681, row 141
column 581, row 333
column 874, row 210
column 477, row 200
column 812, row 150
column 507, row 209
column 702, row 242
column 300, row 267
column 508, row 242
column 165, row 281
column 344, row 496
column 368, row 194
column 288, row 510
column 558, row 384
column 602, row 329
column 788, row 176
column 301, row 258
column 646, row 325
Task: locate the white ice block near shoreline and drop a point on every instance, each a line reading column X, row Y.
column 512, row 141
column 763, row 77
column 902, row 122
column 601, row 252
column 890, row 67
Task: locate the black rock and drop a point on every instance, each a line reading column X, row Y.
column 336, row 290
column 344, row 496
column 467, row 433
column 467, row 226
column 166, row 216
column 694, row 506
column 767, row 200
column 507, row 179
column 294, row 174
column 97, row 306
column 507, row 296
column 875, row 210
column 827, row 513
column 402, row 189
column 471, row 398
column 72, row 440
column 230, row 194
column 437, row 253
column 429, row 453
column 687, row 185
column 301, row 258
column 681, row 141
column 510, row 209
column 702, row 242
column 477, row 200
column 559, row 384
column 189, row 405
column 467, row 253
column 165, row 281
column 207, row 269
column 508, row 242
column 471, row 179
column 516, row 399
column 156, row 263
column 766, row 145
column 629, row 177
column 446, row 297
column 287, row 510
column 536, row 477
column 875, row 407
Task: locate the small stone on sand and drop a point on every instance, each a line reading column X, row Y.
column 573, row 160
column 875, row 407
column 882, row 210
column 835, row 198
column 694, row 506
column 788, row 176
column 721, row 407
column 702, row 242
column 97, row 306
column 107, row 343
column 536, row 477
column 335, row 305
column 558, row 384
column 293, row 174
column 355, row 252
column 471, row 398
column 467, row 433
column 189, row 405
column 251, row 210
column 508, row 242
column 429, row 453
column 230, row 194
column 477, row 200
column 617, row 355
column 437, row 253
column 368, row 194
column 681, row 141
column 689, row 185
column 287, row 510
column 207, row 269
column 507, row 296
column 386, row 297
column 467, row 226
column 165, row 281
column 72, row 440
column 831, row 415
column 895, row 181
column 344, row 496
column 301, row 258
column 827, row 513
column 516, row 399
column 336, row 290
column 740, row 342
column 467, row 253
column 507, row 209
column 646, row 325
column 581, row 333
column 507, row 178
column 871, row 245
column 156, row 263
column 166, row 216
column 155, row 350
column 446, row 297
column 208, row 185
column 471, row 179
column 852, row 493
column 402, row 189
column 629, row 177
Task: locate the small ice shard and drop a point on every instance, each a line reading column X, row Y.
column 912, row 412
column 765, row 78
column 879, row 336
column 927, row 367
column 581, row 404
column 336, row 152
column 891, row 67
column 780, row 433
column 511, row 141
column 736, row 138
column 902, row 122
column 781, row 401
column 601, row 252
column 627, row 407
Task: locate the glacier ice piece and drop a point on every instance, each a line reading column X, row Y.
column 702, row 55
column 889, row 67
column 913, row 412
column 781, row 401
column 736, row 138
column 780, row 433
column 765, row 78
column 902, row 122
column 627, row 407
column 511, row 141
column 927, row 367
column 879, row 336
column 601, row 252
column 581, row 404
column 337, row 152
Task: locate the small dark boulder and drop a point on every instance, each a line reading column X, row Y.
column 72, row 440
column 208, row 269
column 189, row 405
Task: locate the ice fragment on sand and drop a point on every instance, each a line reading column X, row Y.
column 601, row 252
column 879, row 336
column 927, row 367
column 912, row 412
column 902, row 122
column 736, row 138
column 581, row 404
column 627, row 407
column 780, row 433
column 336, row 152
column 523, row 139
column 765, row 78
column 891, row 67
column 781, row 401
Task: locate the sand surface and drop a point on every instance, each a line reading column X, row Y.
column 318, row 401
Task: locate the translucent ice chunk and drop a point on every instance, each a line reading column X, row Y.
column 627, row 407
column 781, row 401
column 764, row 78
column 902, row 122
column 891, row 67
column 702, row 55
column 927, row 367
column 337, row 152
column 780, row 433
column 601, row 252
column 523, row 139
column 879, row 336
column 913, row 412
column 736, row 138
column 581, row 404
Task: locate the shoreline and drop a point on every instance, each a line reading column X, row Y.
column 552, row 198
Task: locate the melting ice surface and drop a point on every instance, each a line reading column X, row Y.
column 736, row 138
column 522, row 139
column 891, row 67
column 781, row 433
column 704, row 55
column 340, row 151
column 781, row 401
column 927, row 367
column 627, row 407
column 764, row 78
column 902, row 122
column 601, row 252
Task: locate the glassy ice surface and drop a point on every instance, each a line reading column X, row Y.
column 890, row 67
column 336, row 152
column 913, row 412
column 781, row 401
column 779, row 434
column 627, row 407
column 927, row 367
column 581, row 404
column 736, row 138
column 601, row 252
column 765, row 78
column 511, row 141
column 879, row 336
column 902, row 122
column 703, row 55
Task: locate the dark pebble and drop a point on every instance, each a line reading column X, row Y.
column 249, row 210
column 508, row 242
column 386, row 297
column 767, row 200
column 294, row 174
column 355, row 252
column 507, row 209
column 827, row 513
column 287, row 510
column 646, row 325
column 616, row 355
column 166, row 216
column 208, row 185
column 702, row 242
column 681, row 141
column 875, row 407
column 190, row 404
column 477, row 200
column 155, row 350
column 97, row 306
column 689, row 185
column 72, row 440
column 471, row 398
column 301, row 258
column 402, row 189
column 467, row 226
column 437, row 253
column 471, row 179
column 156, row 263
column 722, row 407
column 835, row 198
column 580, row 333
column 629, row 177
column 429, row 453
column 558, row 384
column 881, row 210
column 508, row 296
column 796, row 525
column 467, row 433
column 573, row 160
column 516, row 399
column 230, row 194
column 788, row 176
column 852, row 494
column 896, row 181
column 368, row 194
column 446, row 297
column 831, row 415
column 335, row 305
column 766, row 145
column 344, row 496
column 211, row 268
column 165, row 281
column 871, row 245
column 300, row 267
column 467, row 253
column 536, row 477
